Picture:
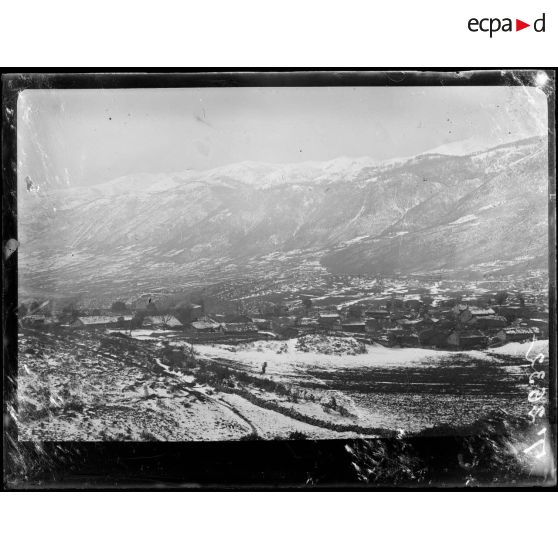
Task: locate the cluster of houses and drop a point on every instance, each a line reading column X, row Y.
column 408, row 320
column 447, row 324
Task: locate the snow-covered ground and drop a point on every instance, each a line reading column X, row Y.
column 145, row 333
column 84, row 385
column 271, row 424
column 284, row 356
column 464, row 219
column 528, row 348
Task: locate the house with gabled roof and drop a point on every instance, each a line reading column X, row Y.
column 242, row 328
column 511, row 334
column 354, row 326
column 469, row 314
column 329, row 318
column 491, row 322
column 409, row 324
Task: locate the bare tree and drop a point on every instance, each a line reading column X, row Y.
column 166, row 319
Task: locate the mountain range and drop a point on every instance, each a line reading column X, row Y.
column 434, row 211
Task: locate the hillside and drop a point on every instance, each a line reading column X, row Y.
column 424, row 213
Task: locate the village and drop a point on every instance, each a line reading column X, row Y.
column 356, row 356
column 443, row 314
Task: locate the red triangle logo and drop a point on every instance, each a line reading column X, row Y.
column 519, row 25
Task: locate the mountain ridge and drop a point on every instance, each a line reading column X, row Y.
column 422, row 213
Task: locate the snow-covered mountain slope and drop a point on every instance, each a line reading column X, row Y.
column 500, row 214
column 472, row 145
column 424, row 213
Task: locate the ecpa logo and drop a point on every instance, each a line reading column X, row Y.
column 494, row 24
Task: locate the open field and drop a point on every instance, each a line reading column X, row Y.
column 395, row 389
column 87, row 385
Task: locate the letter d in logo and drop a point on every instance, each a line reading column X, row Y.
column 539, row 24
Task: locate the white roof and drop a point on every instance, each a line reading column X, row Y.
column 267, row 333
column 163, row 320
column 93, row 320
column 239, row 326
column 205, row 324
column 521, row 330
column 482, row 311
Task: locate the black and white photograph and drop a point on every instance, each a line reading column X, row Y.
column 279, row 278
column 283, row 263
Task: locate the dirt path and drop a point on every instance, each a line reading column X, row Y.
column 205, row 397
column 144, row 359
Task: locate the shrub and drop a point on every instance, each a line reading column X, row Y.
column 330, row 404
column 280, row 389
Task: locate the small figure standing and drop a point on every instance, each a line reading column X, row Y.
column 264, row 367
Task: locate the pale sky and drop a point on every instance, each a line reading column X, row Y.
column 74, row 138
